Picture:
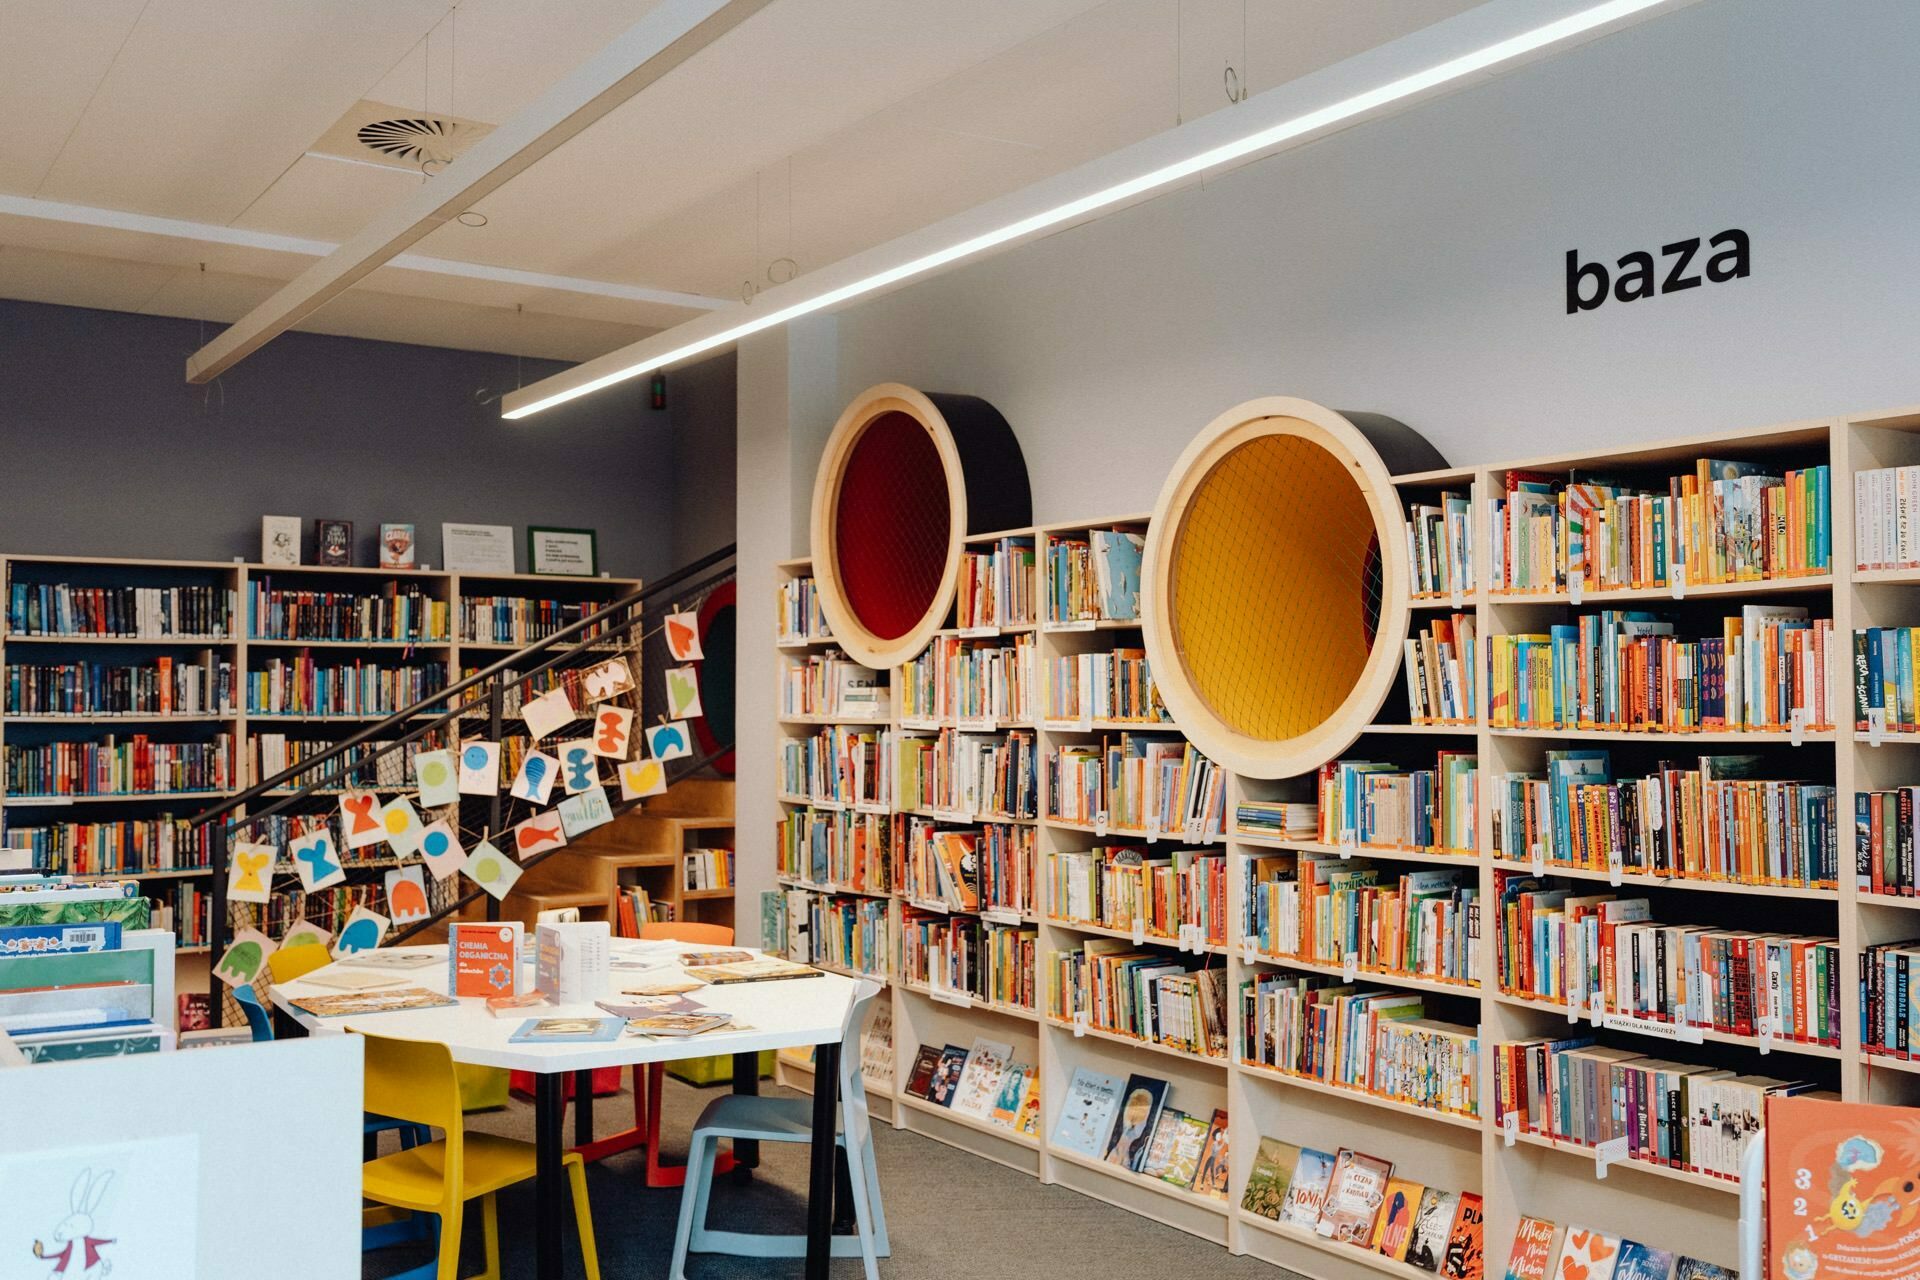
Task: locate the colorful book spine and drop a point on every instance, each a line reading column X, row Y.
column 1143, row 786
column 1369, row 803
column 996, row 586
column 847, row 850
column 1889, row 980
column 1177, row 896
column 969, row 683
column 303, row 686
column 963, row 956
column 971, row 775
column 147, row 613
column 1439, row 663
column 840, row 765
column 1113, row 685
column 115, row 766
column 1440, row 546
column 1354, row 914
column 164, row 687
column 1149, row 996
column 798, row 616
column 400, row 613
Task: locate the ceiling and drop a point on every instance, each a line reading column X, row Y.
column 166, row 156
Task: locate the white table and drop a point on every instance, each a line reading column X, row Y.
column 780, row 1015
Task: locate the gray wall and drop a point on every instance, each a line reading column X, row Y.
column 701, row 400
column 104, row 449
column 1414, row 266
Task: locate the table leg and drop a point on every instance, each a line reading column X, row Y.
column 746, row 1080
column 582, row 1108
column 550, row 1184
column 843, row 1215
column 826, row 1108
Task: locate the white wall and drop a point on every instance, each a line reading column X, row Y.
column 1414, row 266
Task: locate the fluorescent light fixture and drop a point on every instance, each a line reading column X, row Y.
column 531, row 400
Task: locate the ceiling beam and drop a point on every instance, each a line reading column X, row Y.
column 1470, row 48
column 80, row 215
column 672, row 32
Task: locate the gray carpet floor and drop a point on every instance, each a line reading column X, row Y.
column 950, row 1215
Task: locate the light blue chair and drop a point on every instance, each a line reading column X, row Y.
column 744, row 1117
column 258, row 1022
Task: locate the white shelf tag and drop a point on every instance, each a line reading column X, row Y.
column 1139, row 931
column 1324, row 1228
column 1606, row 1153
column 978, row 724
column 928, row 904
column 1086, row 721
column 1677, row 579
column 1876, row 725
column 1000, row 915
column 1100, row 824
column 1765, row 1028
column 1576, row 587
column 1574, row 1004
column 1510, row 1127
column 1193, row 829
column 1079, row 1023
column 1248, row 952
column 1349, row 967
column 1084, row 624
column 1459, row 597
column 979, row 633
column 1539, row 859
column 946, row 995
column 1797, row 726
column 1616, row 864
column 1349, row 838
column 1153, row 827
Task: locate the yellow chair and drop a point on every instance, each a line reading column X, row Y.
column 289, row 963
column 414, row 1081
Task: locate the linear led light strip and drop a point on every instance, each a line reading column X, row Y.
column 1347, row 108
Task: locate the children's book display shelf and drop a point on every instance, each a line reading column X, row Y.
column 1517, row 1174
column 248, row 654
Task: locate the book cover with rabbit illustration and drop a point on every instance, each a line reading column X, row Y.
column 83, row 1212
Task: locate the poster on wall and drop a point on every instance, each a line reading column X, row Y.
column 561, row 552
column 477, row 548
column 127, row 1207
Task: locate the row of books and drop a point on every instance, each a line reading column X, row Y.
column 841, row 764
column 396, row 612
column 845, row 933
column 985, row 869
column 1147, row 785
column 1096, row 578
column 1355, row 1199
column 516, row 620
column 163, row 687
column 635, row 907
column 1712, row 821
column 1180, row 894
column 984, row 1082
column 1440, row 663
column 798, row 615
column 837, row 847
column 832, row 684
column 706, row 869
column 1278, row 819
column 517, row 692
column 963, row 956
column 1619, row 669
column 272, row 753
column 119, row 766
column 1375, row 1042
column 1328, row 911
column 1668, row 1113
column 973, row 774
column 1540, row 1252
column 1606, row 955
column 301, row 686
column 1146, row 995
column 1724, row 522
column 1889, row 977
column 161, row 843
column 79, row 980
column 1116, row 684
column 146, row 613
column 185, row 907
column 1389, row 806
column 1884, row 660
column 1440, row 546
column 973, row 683
column 996, row 586
column 1131, row 1124
column 1886, row 523
column 1883, row 843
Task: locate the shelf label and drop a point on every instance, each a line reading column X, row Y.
column 1575, row 1003
column 1100, row 824
column 1609, row 1152
column 919, row 722
column 1139, row 931
column 946, row 995
column 979, row 633
column 1248, row 952
column 1677, row 579
column 1459, row 597
column 1616, row 864
column 1194, row 827
column 1539, row 858
column 1084, row 624
column 1765, row 1028
column 1324, row 1227
column 1510, row 1127
column 1349, row 838
column 1679, row 1032
column 1153, row 827
column 1079, row 1023
column 978, row 724
column 1876, row 725
column 1797, row 726
column 930, row 905
column 1576, row 587
column 1085, row 723
column 1000, row 915
column 1349, row 967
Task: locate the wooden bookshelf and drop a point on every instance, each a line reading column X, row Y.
column 1670, row 1208
column 248, row 652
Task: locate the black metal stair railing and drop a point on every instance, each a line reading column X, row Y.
column 481, row 705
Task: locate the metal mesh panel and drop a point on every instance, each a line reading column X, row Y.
column 892, row 525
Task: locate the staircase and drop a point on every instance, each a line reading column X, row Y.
column 643, row 847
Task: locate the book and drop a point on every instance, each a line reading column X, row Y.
column 279, row 540
column 1356, row 1193
column 1466, row 1255
column 1586, row 1254
column 1186, row 1143
column 571, row 961
column 397, row 958
column 358, row 1002
column 946, row 1075
column 1685, row 1268
column 342, row 978
column 1854, row 1162
column 765, row 970
column 1013, row 1092
column 678, row 1025
column 333, row 542
column 483, row 958
column 396, row 546
column 1642, row 1262
column 980, row 1077
column 700, row 958
column 568, row 1031
column 920, row 1079
column 1133, row 1122
column 1270, row 1178
column 1160, row 1147
column 1432, row 1224
column 513, row 1006
column 1086, row 1113
column 1532, row 1250
column 1214, row 1172
column 1394, row 1228
column 1307, row 1188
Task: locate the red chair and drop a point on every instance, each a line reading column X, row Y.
column 648, row 1090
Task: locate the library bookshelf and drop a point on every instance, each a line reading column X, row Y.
column 1516, row 1172
column 182, row 883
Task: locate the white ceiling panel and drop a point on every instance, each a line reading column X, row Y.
column 327, row 199
column 75, row 280
column 52, row 56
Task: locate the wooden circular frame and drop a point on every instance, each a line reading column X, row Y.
column 1241, row 752
column 973, row 442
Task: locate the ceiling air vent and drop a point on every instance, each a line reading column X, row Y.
column 381, row 133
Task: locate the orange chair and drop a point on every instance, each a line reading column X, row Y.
column 648, row 1091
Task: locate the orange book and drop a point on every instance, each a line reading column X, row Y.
column 483, row 958
column 1852, row 1209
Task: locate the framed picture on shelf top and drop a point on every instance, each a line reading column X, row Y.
column 333, row 542
column 477, row 548
column 561, row 552
column 279, row 539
